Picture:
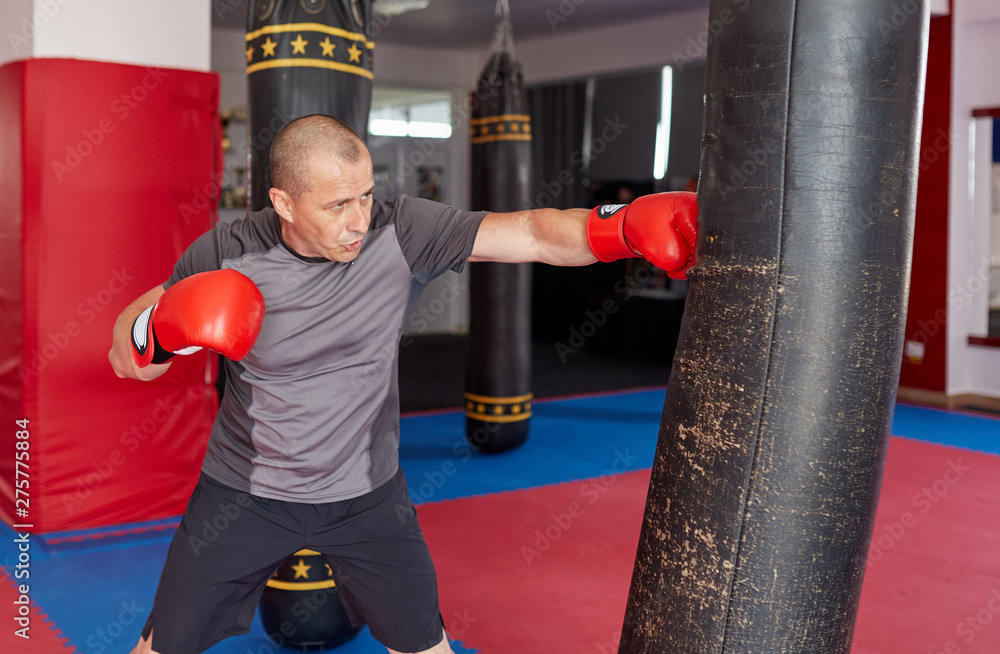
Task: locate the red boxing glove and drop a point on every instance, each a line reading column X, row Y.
column 221, row 310
column 663, row 228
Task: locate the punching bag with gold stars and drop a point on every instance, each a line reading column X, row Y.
column 498, row 372
column 304, row 57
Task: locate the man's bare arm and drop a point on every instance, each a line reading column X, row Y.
column 662, row 228
column 548, row 236
column 121, row 345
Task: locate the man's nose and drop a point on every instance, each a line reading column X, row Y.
column 359, row 219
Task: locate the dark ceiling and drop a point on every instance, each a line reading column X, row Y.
column 469, row 23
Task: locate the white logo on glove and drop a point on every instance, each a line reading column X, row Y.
column 609, row 210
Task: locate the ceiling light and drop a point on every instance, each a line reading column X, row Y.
column 397, row 7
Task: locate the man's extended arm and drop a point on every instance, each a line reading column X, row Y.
column 662, row 227
column 543, row 235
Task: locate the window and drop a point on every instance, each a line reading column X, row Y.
column 406, row 112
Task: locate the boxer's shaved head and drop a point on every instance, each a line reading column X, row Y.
column 294, row 146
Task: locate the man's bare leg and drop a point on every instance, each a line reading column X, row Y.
column 145, row 645
column 441, row 648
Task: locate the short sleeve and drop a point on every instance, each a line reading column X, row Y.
column 433, row 236
column 202, row 255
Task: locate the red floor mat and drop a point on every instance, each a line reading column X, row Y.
column 547, row 570
column 540, row 571
column 43, row 637
column 932, row 585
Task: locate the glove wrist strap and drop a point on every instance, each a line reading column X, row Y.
column 145, row 348
column 606, row 233
column 159, row 354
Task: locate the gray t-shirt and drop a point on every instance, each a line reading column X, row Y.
column 311, row 414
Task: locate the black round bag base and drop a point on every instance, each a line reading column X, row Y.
column 494, row 438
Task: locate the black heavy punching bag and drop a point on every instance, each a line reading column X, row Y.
column 304, row 57
column 498, row 372
column 300, row 607
column 776, row 422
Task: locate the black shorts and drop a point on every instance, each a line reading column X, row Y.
column 229, row 544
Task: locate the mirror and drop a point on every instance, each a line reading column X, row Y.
column 410, row 143
column 985, row 194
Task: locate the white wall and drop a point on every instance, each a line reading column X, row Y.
column 229, row 61
column 431, row 68
column 171, row 34
column 975, row 83
column 650, row 43
column 18, row 25
column 976, row 10
column 643, row 44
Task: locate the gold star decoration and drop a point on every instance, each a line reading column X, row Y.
column 516, row 409
column 527, row 406
column 514, row 127
column 469, row 405
column 500, row 128
column 484, row 130
column 249, row 54
column 299, row 45
column 268, row 47
column 301, row 570
column 327, row 47
column 497, row 410
column 480, row 408
column 527, row 127
column 354, row 52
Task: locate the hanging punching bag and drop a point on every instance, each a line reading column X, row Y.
column 303, row 57
column 776, row 421
column 498, row 373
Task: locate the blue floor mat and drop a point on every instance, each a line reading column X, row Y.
column 957, row 429
column 570, row 439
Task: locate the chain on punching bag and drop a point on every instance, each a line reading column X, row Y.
column 304, row 57
column 498, row 374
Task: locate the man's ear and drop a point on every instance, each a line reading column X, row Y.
column 282, row 203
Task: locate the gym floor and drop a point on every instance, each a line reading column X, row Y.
column 534, row 548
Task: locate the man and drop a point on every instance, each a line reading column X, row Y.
column 306, row 440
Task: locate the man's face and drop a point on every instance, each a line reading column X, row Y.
column 332, row 215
